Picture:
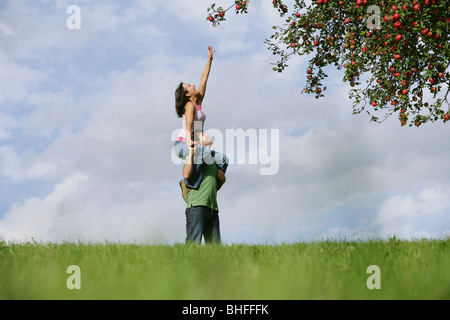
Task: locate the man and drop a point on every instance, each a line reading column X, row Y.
column 202, row 211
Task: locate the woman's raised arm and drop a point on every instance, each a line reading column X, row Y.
column 205, row 75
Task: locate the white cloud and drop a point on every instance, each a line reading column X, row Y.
column 424, row 214
column 36, row 217
column 82, row 208
column 17, row 80
column 6, row 124
column 23, row 167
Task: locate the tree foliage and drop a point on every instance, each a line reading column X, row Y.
column 395, row 53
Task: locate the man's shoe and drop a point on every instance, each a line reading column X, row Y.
column 184, row 190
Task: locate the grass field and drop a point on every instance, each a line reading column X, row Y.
column 319, row 270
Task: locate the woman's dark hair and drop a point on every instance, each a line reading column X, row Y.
column 180, row 100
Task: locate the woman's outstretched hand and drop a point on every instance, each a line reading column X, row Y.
column 211, row 52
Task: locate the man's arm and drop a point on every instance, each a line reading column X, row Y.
column 187, row 169
column 221, row 177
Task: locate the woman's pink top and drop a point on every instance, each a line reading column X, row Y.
column 199, row 117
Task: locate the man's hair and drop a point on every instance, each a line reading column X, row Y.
column 180, row 100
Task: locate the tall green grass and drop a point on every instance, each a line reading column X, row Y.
column 319, row 270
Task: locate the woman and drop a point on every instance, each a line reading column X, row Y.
column 188, row 105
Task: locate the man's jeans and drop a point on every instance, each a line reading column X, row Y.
column 202, row 221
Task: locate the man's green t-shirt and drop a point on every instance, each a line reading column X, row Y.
column 206, row 194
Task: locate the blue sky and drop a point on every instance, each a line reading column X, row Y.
column 86, row 118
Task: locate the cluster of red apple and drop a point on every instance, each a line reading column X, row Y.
column 407, row 55
column 215, row 16
column 278, row 4
column 241, row 5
